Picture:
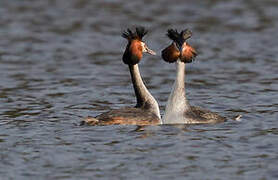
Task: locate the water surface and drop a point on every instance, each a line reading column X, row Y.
column 60, row 61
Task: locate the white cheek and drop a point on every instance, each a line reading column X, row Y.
column 184, row 46
column 143, row 47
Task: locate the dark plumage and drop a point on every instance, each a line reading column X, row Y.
column 177, row 37
column 131, row 116
column 139, row 33
column 173, row 35
column 198, row 115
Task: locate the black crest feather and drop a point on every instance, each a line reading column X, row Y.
column 186, row 34
column 173, row 34
column 139, row 33
column 179, row 38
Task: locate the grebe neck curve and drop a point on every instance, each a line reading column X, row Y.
column 144, row 98
column 177, row 102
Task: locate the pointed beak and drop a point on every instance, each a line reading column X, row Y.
column 150, row 51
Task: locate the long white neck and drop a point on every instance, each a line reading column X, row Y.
column 144, row 98
column 177, row 103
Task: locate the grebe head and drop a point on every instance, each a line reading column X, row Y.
column 179, row 48
column 135, row 47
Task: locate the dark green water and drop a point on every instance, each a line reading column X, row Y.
column 60, row 61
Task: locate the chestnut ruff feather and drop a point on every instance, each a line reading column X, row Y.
column 188, row 53
column 133, row 52
column 170, row 54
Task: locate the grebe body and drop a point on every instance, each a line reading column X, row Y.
column 146, row 111
column 178, row 110
column 125, row 116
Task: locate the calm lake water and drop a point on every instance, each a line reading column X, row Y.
column 60, row 61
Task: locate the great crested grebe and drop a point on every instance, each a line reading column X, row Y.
column 178, row 109
column 146, row 111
